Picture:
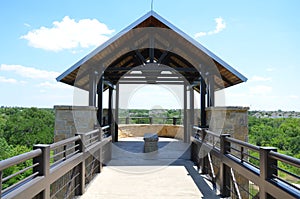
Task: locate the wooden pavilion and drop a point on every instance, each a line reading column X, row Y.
column 151, row 51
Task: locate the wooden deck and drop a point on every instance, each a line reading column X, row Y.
column 167, row 173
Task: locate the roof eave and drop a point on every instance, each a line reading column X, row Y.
column 167, row 23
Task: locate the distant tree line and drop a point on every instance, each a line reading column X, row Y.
column 21, row 128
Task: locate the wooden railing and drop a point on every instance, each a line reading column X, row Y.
column 59, row 170
column 259, row 165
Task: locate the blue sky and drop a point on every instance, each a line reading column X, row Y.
column 41, row 39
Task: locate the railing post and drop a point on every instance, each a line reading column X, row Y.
column 174, row 120
column 44, row 166
column 127, row 120
column 81, row 148
column 224, row 169
column 267, row 169
column 104, row 121
column 100, row 151
column 150, row 120
column 204, row 161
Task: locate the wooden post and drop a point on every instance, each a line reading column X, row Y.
column 44, row 166
column 117, row 113
column 100, row 100
column 174, row 120
column 202, row 102
column 110, row 93
column 185, row 115
column 211, row 90
column 92, row 89
column 204, row 158
column 224, row 169
column 100, row 137
column 191, row 123
column 81, row 180
column 266, row 169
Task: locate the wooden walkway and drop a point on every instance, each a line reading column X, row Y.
column 167, row 173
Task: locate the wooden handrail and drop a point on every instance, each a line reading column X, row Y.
column 44, row 175
column 265, row 176
column 4, row 164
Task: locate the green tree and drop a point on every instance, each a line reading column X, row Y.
column 29, row 126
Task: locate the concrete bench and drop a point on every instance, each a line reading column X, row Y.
column 150, row 142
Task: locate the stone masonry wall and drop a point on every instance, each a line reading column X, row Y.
column 138, row 130
column 233, row 121
column 72, row 119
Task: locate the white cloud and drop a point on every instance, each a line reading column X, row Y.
column 29, row 72
column 260, row 90
column 200, row 34
column 260, row 79
column 7, row 80
column 69, row 34
column 220, row 25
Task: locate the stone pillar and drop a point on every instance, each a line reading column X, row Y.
column 233, row 121
column 72, row 119
column 229, row 120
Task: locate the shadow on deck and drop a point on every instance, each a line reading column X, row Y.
column 167, row 173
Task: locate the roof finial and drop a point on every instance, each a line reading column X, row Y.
column 151, row 5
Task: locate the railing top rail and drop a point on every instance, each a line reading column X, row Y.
column 207, row 131
column 64, row 142
column 285, row 158
column 242, row 143
column 212, row 133
column 105, row 127
column 198, row 128
column 91, row 132
column 19, row 159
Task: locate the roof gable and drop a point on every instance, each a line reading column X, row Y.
column 152, row 19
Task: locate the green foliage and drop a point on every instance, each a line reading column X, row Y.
column 27, row 126
column 282, row 133
column 7, row 151
column 20, row 129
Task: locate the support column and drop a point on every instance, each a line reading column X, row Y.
column 100, row 101
column 110, row 93
column 202, row 102
column 185, row 114
column 192, row 115
column 92, row 89
column 117, row 113
column 109, row 113
column 211, row 91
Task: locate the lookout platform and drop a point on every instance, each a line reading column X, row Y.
column 150, row 175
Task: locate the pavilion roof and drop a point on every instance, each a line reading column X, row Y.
column 151, row 39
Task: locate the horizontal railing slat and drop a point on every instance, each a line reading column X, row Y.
column 64, row 142
column 4, row 164
column 242, row 143
column 285, row 158
column 19, row 172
